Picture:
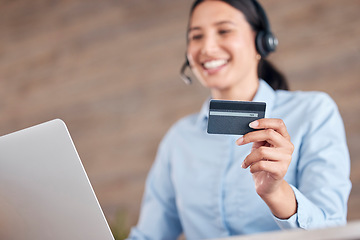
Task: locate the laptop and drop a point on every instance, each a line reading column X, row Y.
column 44, row 190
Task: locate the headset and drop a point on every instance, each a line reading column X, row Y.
column 265, row 41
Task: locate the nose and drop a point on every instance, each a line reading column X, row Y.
column 209, row 46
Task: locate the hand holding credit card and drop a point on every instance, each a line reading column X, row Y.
column 233, row 117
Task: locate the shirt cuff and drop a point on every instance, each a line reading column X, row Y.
column 291, row 222
column 307, row 215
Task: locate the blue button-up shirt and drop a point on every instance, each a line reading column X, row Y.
column 197, row 185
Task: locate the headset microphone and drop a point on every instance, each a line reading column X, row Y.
column 183, row 76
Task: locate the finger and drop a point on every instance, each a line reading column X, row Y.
column 267, row 154
column 273, row 168
column 271, row 123
column 256, row 145
column 267, row 135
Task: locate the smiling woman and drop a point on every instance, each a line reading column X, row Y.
column 299, row 167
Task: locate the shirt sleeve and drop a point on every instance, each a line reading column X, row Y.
column 323, row 171
column 159, row 217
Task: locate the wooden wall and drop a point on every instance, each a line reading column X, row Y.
column 109, row 69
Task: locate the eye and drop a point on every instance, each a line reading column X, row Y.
column 196, row 37
column 224, row 31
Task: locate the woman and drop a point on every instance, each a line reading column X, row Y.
column 298, row 161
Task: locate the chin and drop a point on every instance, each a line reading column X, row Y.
column 217, row 84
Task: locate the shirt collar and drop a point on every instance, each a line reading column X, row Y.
column 264, row 94
column 204, row 113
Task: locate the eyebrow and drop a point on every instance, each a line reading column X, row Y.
column 216, row 24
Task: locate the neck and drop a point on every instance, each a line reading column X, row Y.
column 243, row 92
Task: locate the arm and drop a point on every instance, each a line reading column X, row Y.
column 268, row 161
column 323, row 184
column 158, row 218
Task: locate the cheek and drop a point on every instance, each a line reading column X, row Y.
column 241, row 49
column 192, row 54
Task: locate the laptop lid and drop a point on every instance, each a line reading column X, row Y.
column 44, row 190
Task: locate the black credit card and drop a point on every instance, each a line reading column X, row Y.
column 233, row 117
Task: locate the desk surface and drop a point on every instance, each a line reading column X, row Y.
column 350, row 231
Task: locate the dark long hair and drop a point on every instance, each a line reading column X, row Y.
column 266, row 70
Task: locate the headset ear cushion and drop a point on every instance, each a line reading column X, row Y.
column 266, row 43
column 260, row 44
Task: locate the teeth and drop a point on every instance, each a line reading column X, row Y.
column 215, row 63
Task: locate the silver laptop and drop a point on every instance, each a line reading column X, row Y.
column 44, row 190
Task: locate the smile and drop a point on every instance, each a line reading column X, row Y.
column 214, row 64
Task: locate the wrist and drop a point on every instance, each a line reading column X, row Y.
column 282, row 201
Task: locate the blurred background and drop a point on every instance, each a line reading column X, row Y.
column 109, row 69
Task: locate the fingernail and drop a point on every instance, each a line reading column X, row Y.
column 243, row 164
column 254, row 124
column 239, row 141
